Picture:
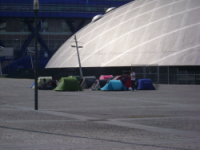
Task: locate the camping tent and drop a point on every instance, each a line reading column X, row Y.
column 128, row 83
column 105, row 77
column 40, row 81
column 77, row 77
column 114, row 85
column 98, row 84
column 101, row 82
column 144, row 84
column 87, row 81
column 68, row 84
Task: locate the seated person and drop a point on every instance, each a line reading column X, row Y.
column 49, row 84
column 44, row 84
column 53, row 83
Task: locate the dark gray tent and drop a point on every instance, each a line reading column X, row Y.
column 98, row 84
column 87, row 81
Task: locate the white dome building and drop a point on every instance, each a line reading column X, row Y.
column 142, row 32
column 163, row 32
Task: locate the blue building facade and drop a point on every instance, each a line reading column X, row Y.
column 57, row 21
column 57, row 8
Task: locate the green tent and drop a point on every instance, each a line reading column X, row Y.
column 68, row 84
column 77, row 77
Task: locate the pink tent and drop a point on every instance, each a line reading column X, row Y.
column 104, row 77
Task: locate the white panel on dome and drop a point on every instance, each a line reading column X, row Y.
column 137, row 43
column 170, row 42
column 138, row 4
column 96, row 32
column 127, row 26
column 115, row 22
column 160, row 13
column 121, row 10
column 176, row 22
column 132, row 12
column 148, row 7
column 143, row 19
column 179, row 7
column 106, row 48
column 90, row 48
column 162, row 3
column 109, row 36
column 154, row 32
column 151, row 47
column 194, row 4
column 194, row 16
column 190, row 37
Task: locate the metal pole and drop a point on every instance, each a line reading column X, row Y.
column 1, row 70
column 186, row 76
column 36, row 63
column 144, row 71
column 158, row 75
column 168, row 74
column 177, row 75
column 81, row 72
column 31, row 60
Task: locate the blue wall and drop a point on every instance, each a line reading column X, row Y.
column 57, row 8
column 24, row 63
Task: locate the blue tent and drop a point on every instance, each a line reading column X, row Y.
column 145, row 84
column 114, row 85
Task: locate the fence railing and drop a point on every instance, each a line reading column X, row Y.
column 187, row 78
column 170, row 78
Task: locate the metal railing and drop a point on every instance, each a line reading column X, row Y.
column 187, row 78
column 171, row 78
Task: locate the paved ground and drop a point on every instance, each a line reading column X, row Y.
column 164, row 119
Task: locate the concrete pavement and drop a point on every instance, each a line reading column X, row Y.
column 167, row 118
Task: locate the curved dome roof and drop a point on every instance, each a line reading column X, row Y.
column 163, row 32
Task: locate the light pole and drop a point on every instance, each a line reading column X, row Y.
column 30, row 53
column 36, row 9
column 1, row 74
column 81, row 72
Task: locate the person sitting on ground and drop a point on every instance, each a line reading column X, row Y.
column 54, row 84
column 49, row 84
column 44, row 84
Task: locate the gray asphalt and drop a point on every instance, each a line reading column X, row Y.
column 164, row 119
